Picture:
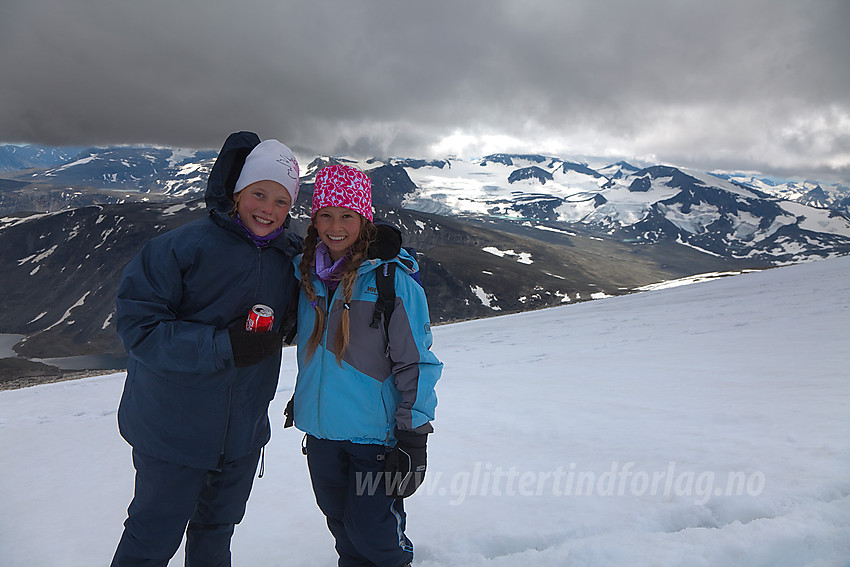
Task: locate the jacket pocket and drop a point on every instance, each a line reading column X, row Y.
column 353, row 408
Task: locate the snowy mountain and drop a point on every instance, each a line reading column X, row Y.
column 657, row 203
column 730, row 215
column 54, row 179
column 817, row 194
column 14, row 158
column 710, row 213
column 500, row 234
column 704, row 425
column 166, row 171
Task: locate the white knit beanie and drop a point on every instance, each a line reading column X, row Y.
column 270, row 160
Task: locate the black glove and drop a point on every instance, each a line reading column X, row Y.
column 249, row 347
column 387, row 242
column 405, row 464
column 289, row 413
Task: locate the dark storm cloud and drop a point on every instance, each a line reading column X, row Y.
column 744, row 84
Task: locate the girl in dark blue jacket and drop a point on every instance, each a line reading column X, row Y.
column 195, row 403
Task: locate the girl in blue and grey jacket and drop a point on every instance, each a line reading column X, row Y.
column 364, row 395
column 195, row 403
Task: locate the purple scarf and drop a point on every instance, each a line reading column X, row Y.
column 326, row 269
column 260, row 241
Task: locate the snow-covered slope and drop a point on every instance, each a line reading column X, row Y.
column 704, row 425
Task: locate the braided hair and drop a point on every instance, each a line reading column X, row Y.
column 357, row 252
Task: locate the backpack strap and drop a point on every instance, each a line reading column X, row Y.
column 384, row 305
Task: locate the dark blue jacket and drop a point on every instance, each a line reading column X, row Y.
column 184, row 401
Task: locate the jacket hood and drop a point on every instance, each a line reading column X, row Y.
column 225, row 171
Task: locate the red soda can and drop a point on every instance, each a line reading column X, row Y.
column 260, row 319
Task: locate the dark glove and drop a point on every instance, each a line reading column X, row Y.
column 405, row 464
column 289, row 413
column 387, row 242
column 249, row 347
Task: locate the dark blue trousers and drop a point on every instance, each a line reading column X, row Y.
column 170, row 496
column 367, row 524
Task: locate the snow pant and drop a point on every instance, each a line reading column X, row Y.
column 348, row 482
column 169, row 496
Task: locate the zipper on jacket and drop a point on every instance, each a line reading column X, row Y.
column 259, row 272
column 221, row 456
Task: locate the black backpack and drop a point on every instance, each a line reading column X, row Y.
column 385, row 282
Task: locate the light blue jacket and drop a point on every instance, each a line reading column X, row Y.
column 383, row 382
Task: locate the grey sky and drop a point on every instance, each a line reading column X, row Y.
column 743, row 84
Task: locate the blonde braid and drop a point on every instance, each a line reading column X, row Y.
column 343, row 330
column 356, row 254
column 305, row 267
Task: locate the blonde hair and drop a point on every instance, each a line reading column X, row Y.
column 233, row 210
column 353, row 259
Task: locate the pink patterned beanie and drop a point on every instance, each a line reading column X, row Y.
column 343, row 186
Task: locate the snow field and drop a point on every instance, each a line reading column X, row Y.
column 594, row 434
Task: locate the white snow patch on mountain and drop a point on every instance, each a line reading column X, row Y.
column 67, row 313
column 35, row 258
column 521, row 257
column 551, row 229
column 710, row 180
column 695, row 221
column 698, row 278
column 75, row 163
column 178, row 155
column 487, row 299
column 818, row 220
column 173, row 209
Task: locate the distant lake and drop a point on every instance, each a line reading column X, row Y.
column 85, row 362
column 7, row 341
